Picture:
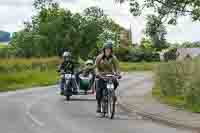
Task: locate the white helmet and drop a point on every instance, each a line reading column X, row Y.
column 89, row 62
column 66, row 54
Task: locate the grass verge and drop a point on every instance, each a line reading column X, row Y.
column 27, row 79
column 178, row 102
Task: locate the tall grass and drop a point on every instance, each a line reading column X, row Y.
column 23, row 73
column 18, row 64
column 26, row 79
column 179, row 82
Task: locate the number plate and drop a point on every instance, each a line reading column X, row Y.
column 68, row 76
column 110, row 86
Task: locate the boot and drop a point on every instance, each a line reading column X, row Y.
column 98, row 107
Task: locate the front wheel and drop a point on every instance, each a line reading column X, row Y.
column 103, row 107
column 67, row 98
column 111, row 107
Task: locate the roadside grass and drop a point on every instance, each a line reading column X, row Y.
column 175, row 101
column 18, row 73
column 27, row 79
column 21, row 64
column 141, row 66
column 2, row 45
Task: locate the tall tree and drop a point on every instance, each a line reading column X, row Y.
column 156, row 31
column 168, row 9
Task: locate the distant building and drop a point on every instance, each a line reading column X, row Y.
column 4, row 36
column 183, row 53
column 126, row 37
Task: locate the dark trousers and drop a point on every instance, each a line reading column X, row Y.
column 100, row 86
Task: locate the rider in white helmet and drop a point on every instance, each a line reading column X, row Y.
column 66, row 66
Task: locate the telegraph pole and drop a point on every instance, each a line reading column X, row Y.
column 130, row 34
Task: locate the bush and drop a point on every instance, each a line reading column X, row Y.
column 137, row 54
column 170, row 54
column 180, row 79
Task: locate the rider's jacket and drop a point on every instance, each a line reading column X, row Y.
column 67, row 66
column 107, row 64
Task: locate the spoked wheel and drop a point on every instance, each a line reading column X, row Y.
column 103, row 107
column 111, row 107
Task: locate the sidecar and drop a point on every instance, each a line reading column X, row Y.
column 86, row 84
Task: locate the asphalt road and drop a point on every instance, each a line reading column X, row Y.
column 43, row 110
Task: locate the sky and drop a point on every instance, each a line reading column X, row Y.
column 14, row 12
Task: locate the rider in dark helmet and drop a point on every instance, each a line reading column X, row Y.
column 105, row 63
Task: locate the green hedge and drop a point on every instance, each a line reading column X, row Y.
column 179, row 81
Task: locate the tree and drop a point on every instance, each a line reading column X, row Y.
column 94, row 11
column 156, row 31
column 146, row 44
column 54, row 29
column 168, row 10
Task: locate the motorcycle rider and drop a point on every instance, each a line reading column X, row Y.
column 105, row 63
column 67, row 65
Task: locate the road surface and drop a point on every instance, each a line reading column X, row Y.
column 43, row 110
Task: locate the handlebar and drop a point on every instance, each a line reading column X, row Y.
column 108, row 75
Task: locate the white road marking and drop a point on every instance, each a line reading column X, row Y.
column 35, row 120
column 31, row 116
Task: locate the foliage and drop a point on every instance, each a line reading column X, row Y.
column 156, row 31
column 180, row 79
column 190, row 45
column 168, row 10
column 170, row 54
column 136, row 54
column 146, row 44
column 54, row 29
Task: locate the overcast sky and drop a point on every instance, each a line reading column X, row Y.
column 14, row 12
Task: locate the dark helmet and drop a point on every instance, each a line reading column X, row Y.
column 108, row 44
